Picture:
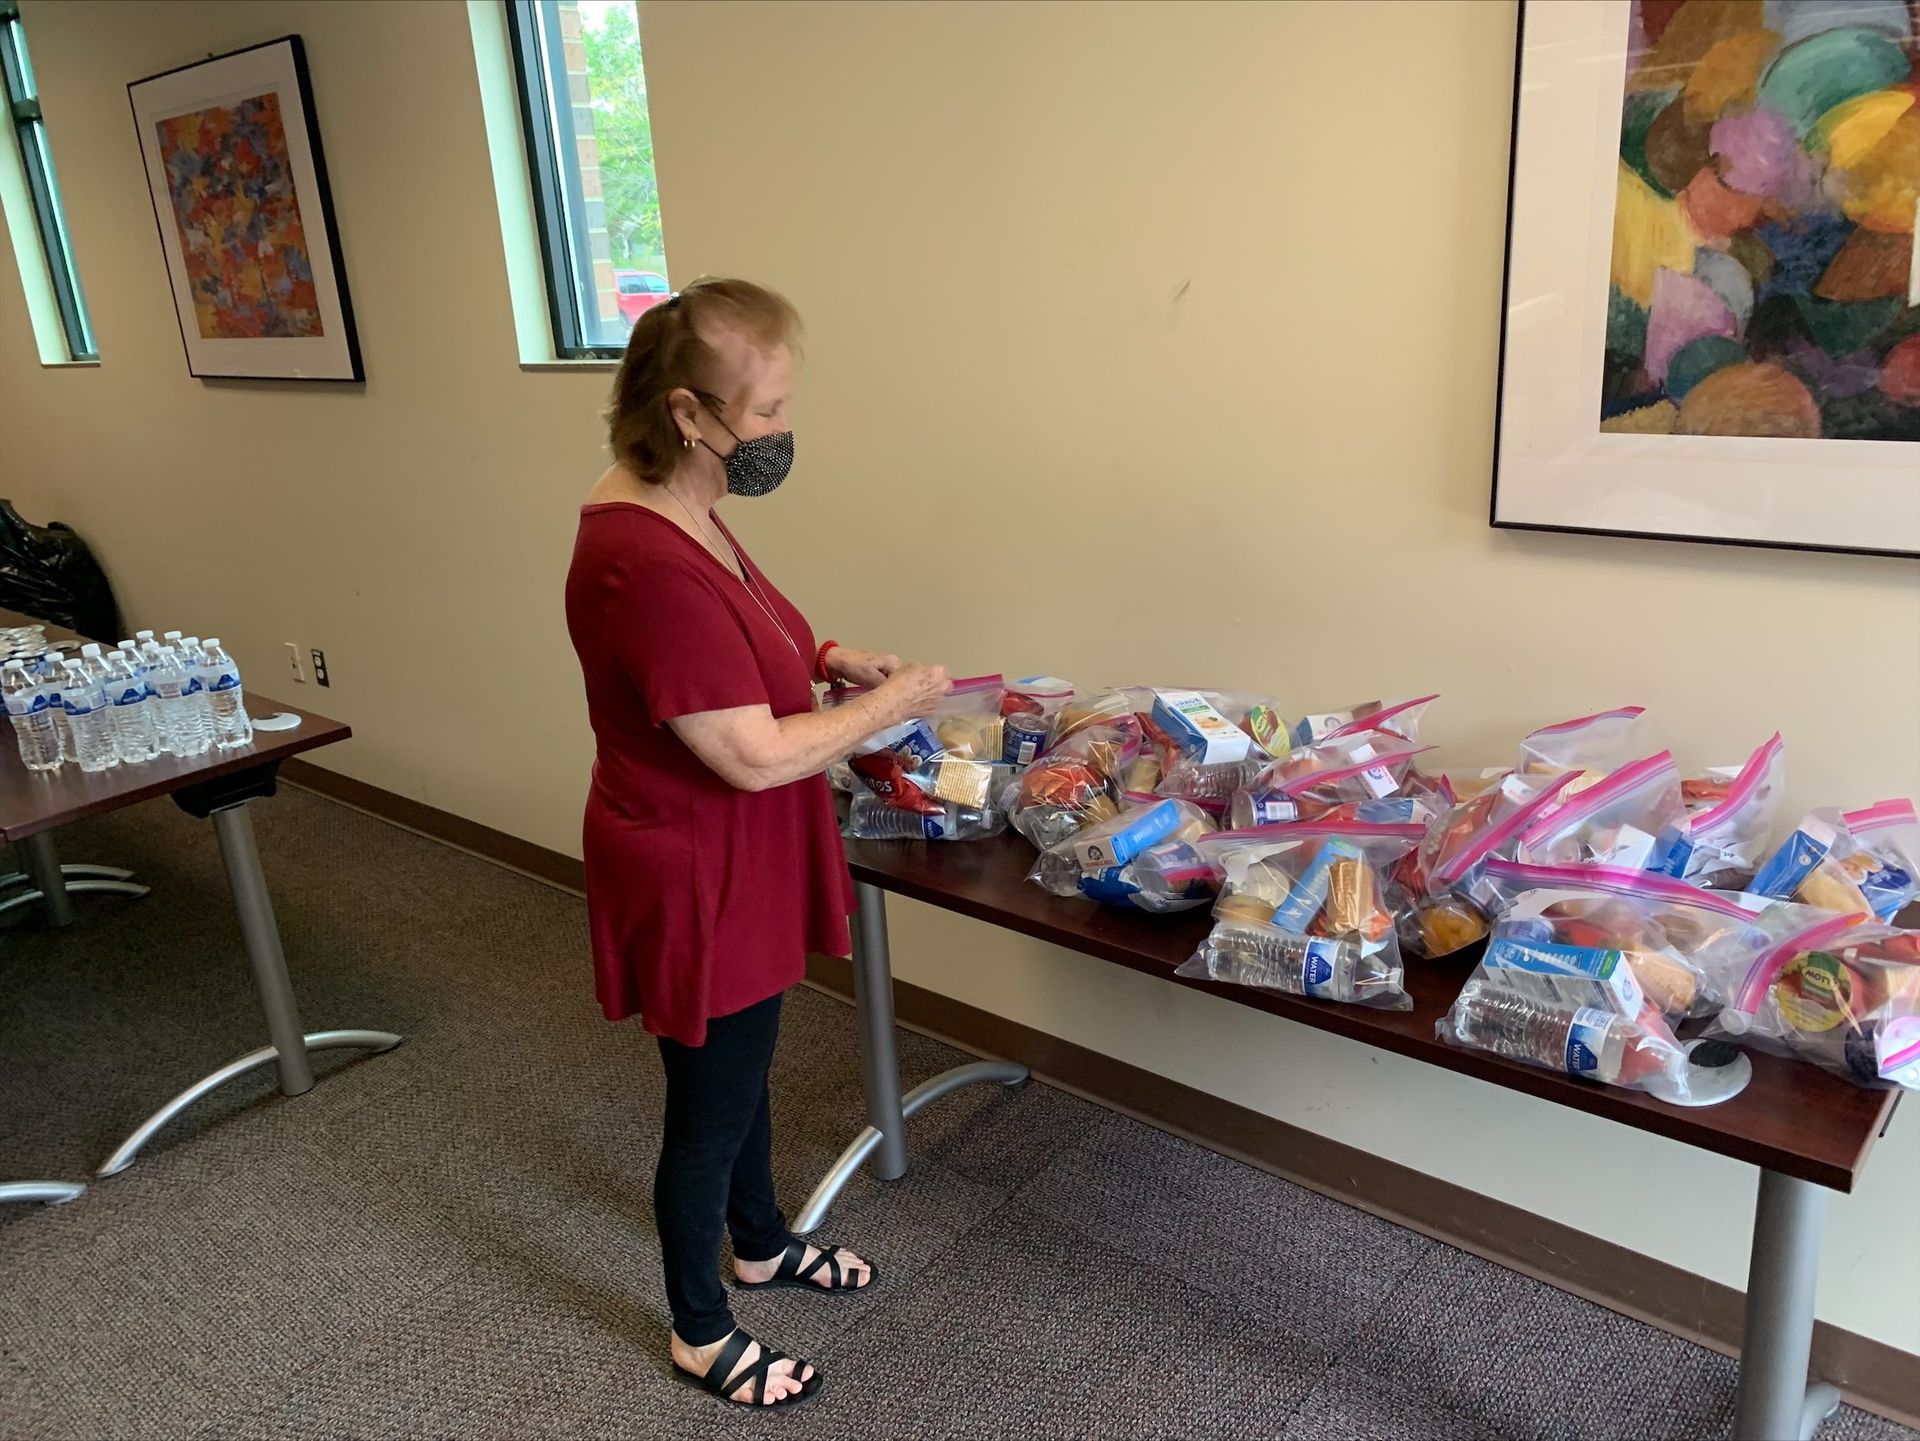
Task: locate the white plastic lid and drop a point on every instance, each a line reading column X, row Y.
column 143, row 635
column 57, row 657
column 171, row 635
column 91, row 648
column 211, row 641
column 14, row 665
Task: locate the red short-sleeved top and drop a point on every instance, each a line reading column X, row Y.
column 701, row 899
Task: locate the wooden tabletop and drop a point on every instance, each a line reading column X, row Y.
column 1793, row 1118
column 35, row 801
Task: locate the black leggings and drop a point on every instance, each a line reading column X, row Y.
column 716, row 1161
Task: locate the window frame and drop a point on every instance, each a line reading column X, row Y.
column 559, row 201
column 29, row 128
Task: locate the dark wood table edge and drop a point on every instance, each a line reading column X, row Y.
column 1679, row 1124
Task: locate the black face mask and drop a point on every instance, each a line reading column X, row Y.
column 757, row 466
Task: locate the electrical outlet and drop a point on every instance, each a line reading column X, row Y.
column 320, row 668
column 294, row 664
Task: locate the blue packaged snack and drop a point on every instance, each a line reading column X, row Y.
column 1116, row 844
column 1787, row 867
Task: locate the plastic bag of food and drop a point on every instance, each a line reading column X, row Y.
column 1143, row 822
column 1400, row 717
column 1453, row 908
column 1885, row 863
column 945, row 757
column 1827, row 863
column 1027, row 709
column 1172, row 876
column 1730, row 820
column 1839, row 992
column 1593, row 744
column 1201, row 757
column 874, row 818
column 1633, row 818
column 1685, row 944
column 1578, row 1010
column 1080, row 779
column 1310, row 780
column 1305, row 909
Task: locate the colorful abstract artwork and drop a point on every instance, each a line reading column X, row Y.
column 238, row 214
column 1763, row 280
column 238, row 180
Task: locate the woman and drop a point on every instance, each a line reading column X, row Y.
column 712, row 854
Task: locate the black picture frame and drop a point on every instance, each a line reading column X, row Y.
column 343, row 363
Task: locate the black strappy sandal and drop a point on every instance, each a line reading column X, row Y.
column 729, row 1357
column 792, row 1272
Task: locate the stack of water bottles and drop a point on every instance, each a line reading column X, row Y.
column 172, row 696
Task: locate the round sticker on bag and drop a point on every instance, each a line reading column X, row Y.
column 1814, row 992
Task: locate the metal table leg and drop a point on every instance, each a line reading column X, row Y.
column 51, row 1192
column 887, row 1110
column 234, row 829
column 49, row 881
column 1775, row 1400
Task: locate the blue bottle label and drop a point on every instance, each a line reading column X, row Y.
column 1316, row 968
column 1585, row 1039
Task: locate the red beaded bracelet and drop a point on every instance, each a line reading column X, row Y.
column 820, row 663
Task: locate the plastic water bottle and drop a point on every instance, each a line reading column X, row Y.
column 1325, row 968
column 180, row 722
column 1580, row 1042
column 135, row 731
column 195, row 659
column 29, row 705
column 52, row 673
column 89, row 718
column 232, row 726
column 872, row 819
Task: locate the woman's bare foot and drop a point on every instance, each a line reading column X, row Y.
column 781, row 1382
column 854, row 1272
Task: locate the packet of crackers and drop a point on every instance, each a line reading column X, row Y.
column 1104, row 851
column 1840, row 991
column 1306, row 907
column 946, row 757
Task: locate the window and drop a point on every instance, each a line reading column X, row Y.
column 583, row 105
column 42, row 189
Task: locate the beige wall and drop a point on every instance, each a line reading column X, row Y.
column 1147, row 342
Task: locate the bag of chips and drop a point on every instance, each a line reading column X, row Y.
column 1594, row 744
column 1578, row 1010
column 1453, row 909
column 1837, row 991
column 1305, row 909
column 1730, row 820
column 1684, row 944
column 1633, row 818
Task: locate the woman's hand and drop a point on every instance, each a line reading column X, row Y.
column 860, row 667
column 912, row 689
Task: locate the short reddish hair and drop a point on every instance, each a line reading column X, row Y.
column 666, row 352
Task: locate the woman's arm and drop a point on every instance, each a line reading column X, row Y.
column 752, row 751
column 859, row 667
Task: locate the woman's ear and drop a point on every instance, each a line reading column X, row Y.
column 686, row 414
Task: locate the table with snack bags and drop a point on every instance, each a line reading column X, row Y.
column 1616, row 902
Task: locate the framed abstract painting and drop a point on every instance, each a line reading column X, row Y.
column 239, row 189
column 1711, row 315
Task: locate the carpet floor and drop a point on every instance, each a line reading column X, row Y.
column 454, row 1239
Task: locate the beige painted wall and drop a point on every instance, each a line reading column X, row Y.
column 1147, row 342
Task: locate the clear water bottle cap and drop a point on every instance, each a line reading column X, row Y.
column 126, row 645
column 14, row 665
column 90, row 649
column 56, row 657
column 212, row 642
column 171, row 635
column 143, row 635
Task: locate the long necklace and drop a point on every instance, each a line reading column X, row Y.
column 746, row 574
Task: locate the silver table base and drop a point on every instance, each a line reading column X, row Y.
column 290, row 1047
column 885, row 1136
column 46, row 880
column 1775, row 1401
